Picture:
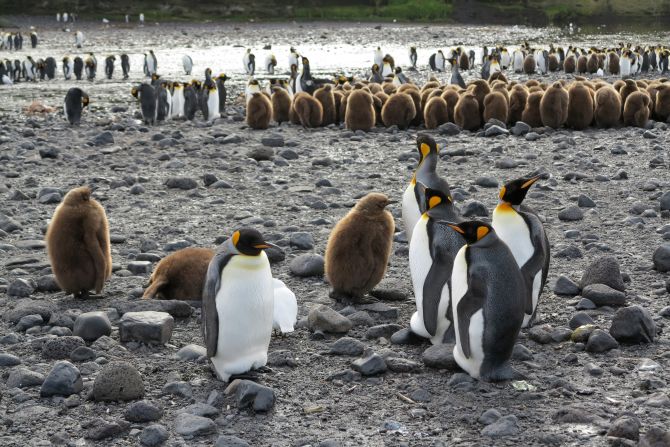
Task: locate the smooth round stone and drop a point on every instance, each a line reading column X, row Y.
column 92, row 325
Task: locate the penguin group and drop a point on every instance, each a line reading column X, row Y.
column 475, row 284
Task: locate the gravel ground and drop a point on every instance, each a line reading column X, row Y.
column 304, row 182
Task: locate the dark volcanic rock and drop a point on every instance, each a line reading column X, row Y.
column 143, row 411
column 370, row 364
column 600, row 341
column 440, row 357
column 146, row 327
column 61, row 347
column 307, row 265
column 252, row 395
column 603, row 295
column 92, row 325
column 633, row 325
column 661, row 258
column 64, row 379
column 324, row 319
column 176, row 308
column 118, row 381
column 604, row 270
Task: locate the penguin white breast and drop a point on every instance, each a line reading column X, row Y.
column 513, row 230
column 245, row 305
column 420, row 262
column 213, row 104
column 410, row 210
column 459, row 287
column 285, row 307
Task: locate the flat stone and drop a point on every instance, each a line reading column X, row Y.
column 307, row 265
column 252, row 395
column 118, row 380
column 401, row 365
column 381, row 309
column 7, row 360
column 200, row 409
column 20, row 288
column 382, row 330
column 28, row 322
column 323, row 318
column 627, row 427
column 154, row 435
column 565, row 286
column 20, row 377
column 301, row 241
column 579, row 319
column 474, row 208
column 369, row 365
column 146, row 327
column 570, row 214
column 176, row 308
column 98, row 429
column 191, row 352
column 261, row 153
column 489, row 416
column 603, row 295
column 143, row 411
column 633, row 324
column 440, row 357
column 347, row 346
column 486, row 182
column 184, row 183
column 600, row 341
column 64, row 379
column 230, row 441
column 178, row 388
column 92, row 325
column 505, row 426
column 139, row 267
column 494, row 131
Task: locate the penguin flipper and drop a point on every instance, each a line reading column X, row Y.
column 539, row 261
column 435, row 281
column 210, row 316
column 469, row 304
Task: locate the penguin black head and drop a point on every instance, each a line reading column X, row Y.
column 305, row 61
column 222, row 77
column 426, row 145
column 375, row 68
column 155, row 77
column 433, row 197
column 249, row 242
column 472, row 231
column 515, row 191
column 208, row 72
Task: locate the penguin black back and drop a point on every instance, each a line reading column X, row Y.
column 75, row 101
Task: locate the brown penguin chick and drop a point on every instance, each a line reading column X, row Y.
column 613, row 63
column 532, row 83
column 359, row 248
column 553, row 63
column 554, row 106
column 451, row 96
column 497, row 76
column 413, row 92
column 466, row 112
column 502, row 89
column 480, row 88
column 389, row 88
column 374, row 87
column 325, row 96
column 580, row 106
column 531, row 113
column 383, row 97
column 618, row 84
column 308, row 110
column 425, row 95
column 339, row 97
column 281, row 105
column 529, row 64
column 378, row 104
column 629, row 87
column 259, row 111
column 517, row 103
column 607, row 107
column 430, row 84
column 398, row 110
column 495, row 106
column 464, row 61
column 569, row 64
column 360, row 112
column 78, row 244
column 582, row 64
column 636, row 109
column 180, row 276
column 662, row 102
column 436, row 112
column 642, row 84
column 535, row 88
column 343, row 105
column 592, row 63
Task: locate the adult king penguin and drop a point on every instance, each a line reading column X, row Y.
column 187, row 63
column 426, row 174
column 520, row 228
column 209, row 98
column 456, row 78
column 249, row 62
column 431, row 257
column 148, row 102
column 238, row 305
column 75, row 101
column 488, row 298
column 413, row 56
column 270, row 63
column 150, row 64
column 293, row 57
column 109, row 66
column 125, row 65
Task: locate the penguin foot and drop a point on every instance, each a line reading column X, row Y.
column 502, row 373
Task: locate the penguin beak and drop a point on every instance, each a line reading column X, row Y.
column 456, row 228
column 530, row 182
column 266, row 245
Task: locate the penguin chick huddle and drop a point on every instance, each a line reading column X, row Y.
column 235, row 282
column 362, row 105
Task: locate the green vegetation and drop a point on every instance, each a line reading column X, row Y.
column 402, row 10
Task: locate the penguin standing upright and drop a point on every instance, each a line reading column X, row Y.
column 78, row 67
column 79, row 39
column 306, row 81
column 210, row 97
column 177, row 110
column 33, row 39
column 379, row 57
column 75, row 101
column 221, row 88
column 147, row 96
column 187, row 63
column 191, row 103
column 426, row 174
column 293, row 57
column 270, row 63
column 456, row 78
column 520, row 228
column 439, row 61
column 163, row 102
column 109, row 66
column 413, row 56
column 376, row 76
column 238, row 305
column 249, row 62
column 487, row 299
column 125, row 65
column 431, row 256
column 90, row 66
column 150, row 64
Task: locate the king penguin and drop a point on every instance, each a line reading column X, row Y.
column 75, row 101
column 249, row 62
column 68, row 68
column 150, row 64
column 488, row 297
column 431, row 256
column 109, row 66
column 426, row 174
column 148, row 103
column 238, row 305
column 78, row 67
column 456, row 78
column 413, row 56
column 163, row 102
column 125, row 65
column 520, row 228
column 221, row 87
column 177, row 110
column 187, row 63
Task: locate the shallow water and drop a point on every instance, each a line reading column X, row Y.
column 332, row 48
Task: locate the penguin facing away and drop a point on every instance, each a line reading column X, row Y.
column 180, row 276
column 238, row 305
column 125, row 65
column 488, row 297
column 431, row 256
column 147, row 96
column 520, row 228
column 413, row 203
column 75, row 101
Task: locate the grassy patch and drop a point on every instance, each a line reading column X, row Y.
column 402, row 10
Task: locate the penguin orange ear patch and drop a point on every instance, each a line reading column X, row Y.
column 433, row 202
column 236, row 238
column 425, row 149
column 503, row 190
column 481, row 232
